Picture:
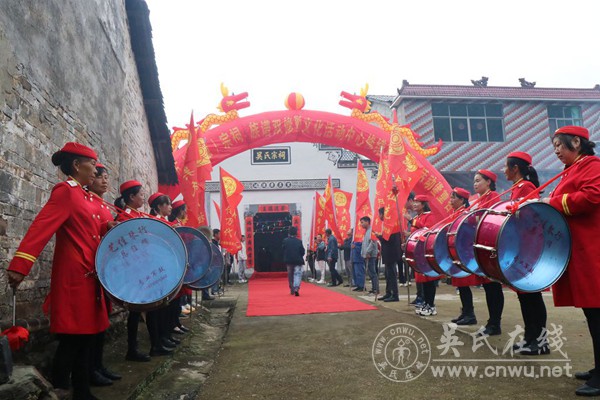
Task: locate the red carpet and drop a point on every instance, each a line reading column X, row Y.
column 268, row 294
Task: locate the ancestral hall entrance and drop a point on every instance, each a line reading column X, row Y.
column 266, row 226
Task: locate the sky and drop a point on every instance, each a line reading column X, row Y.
column 319, row 48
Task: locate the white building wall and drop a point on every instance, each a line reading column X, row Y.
column 307, row 162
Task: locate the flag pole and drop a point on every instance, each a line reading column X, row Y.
column 221, row 189
column 404, row 270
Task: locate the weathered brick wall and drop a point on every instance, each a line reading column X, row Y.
column 67, row 73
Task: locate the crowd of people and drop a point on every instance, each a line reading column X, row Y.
column 577, row 197
column 79, row 308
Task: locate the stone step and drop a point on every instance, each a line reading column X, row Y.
column 176, row 376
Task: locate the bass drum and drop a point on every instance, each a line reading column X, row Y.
column 460, row 240
column 141, row 263
column 215, row 270
column 414, row 254
column 199, row 253
column 438, row 255
column 528, row 250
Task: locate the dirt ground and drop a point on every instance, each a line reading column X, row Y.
column 329, row 356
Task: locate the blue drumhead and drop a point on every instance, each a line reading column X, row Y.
column 420, row 259
column 199, row 253
column 465, row 238
column 442, row 255
column 214, row 272
column 534, row 247
column 141, row 261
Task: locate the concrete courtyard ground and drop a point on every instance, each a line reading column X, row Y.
column 329, row 356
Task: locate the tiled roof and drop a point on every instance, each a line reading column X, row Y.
column 382, row 98
column 496, row 92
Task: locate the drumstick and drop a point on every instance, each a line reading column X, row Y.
column 453, row 215
column 14, row 304
column 121, row 211
column 537, row 191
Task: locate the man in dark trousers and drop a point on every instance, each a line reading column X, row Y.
column 390, row 255
column 332, row 257
column 293, row 257
column 347, row 248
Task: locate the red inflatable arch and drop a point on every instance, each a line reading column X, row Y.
column 253, row 131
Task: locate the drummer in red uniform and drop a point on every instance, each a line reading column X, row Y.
column 459, row 200
column 178, row 217
column 161, row 208
column 484, row 184
column 424, row 219
column 524, row 177
column 577, row 197
column 99, row 374
column 77, row 306
column 178, row 213
column 131, row 201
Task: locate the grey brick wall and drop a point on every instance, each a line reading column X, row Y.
column 67, row 73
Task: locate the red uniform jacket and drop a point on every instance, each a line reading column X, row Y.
column 77, row 303
column 423, row 220
column 105, row 217
column 129, row 214
column 521, row 190
column 487, row 200
column 577, row 197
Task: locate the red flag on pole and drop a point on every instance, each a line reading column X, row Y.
column 363, row 204
column 192, row 188
column 231, row 196
column 330, row 214
column 204, row 164
column 320, row 217
column 342, row 212
column 194, row 156
column 381, row 191
column 405, row 171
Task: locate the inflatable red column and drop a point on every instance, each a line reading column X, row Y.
column 297, row 222
column 249, row 221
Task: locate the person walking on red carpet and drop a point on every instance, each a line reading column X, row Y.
column 293, row 257
column 321, row 256
column 332, row 257
column 369, row 252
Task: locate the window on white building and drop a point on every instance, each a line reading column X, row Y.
column 468, row 122
column 559, row 116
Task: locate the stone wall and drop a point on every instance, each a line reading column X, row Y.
column 67, row 73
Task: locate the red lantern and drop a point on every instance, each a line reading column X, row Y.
column 294, row 101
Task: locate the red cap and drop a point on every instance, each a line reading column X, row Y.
column 521, row 155
column 461, row 192
column 154, row 196
column 574, row 130
column 73, row 148
column 100, row 165
column 178, row 203
column 421, row 198
column 488, row 174
column 128, row 185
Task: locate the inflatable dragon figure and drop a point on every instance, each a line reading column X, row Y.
column 229, row 105
column 360, row 106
